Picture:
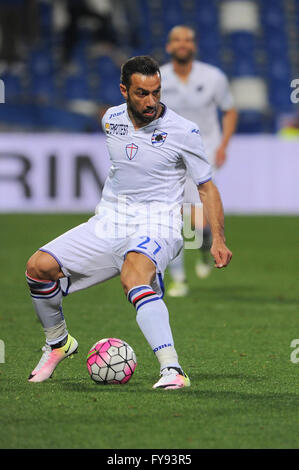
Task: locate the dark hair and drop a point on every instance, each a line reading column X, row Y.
column 143, row 64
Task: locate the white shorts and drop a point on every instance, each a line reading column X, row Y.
column 87, row 259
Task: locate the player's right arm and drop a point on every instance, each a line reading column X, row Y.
column 213, row 208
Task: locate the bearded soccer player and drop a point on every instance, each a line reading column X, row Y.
column 136, row 229
column 197, row 90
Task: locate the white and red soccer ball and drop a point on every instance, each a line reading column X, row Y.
column 111, row 361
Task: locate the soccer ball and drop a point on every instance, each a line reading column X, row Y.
column 111, row 361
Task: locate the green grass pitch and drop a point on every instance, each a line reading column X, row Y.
column 233, row 335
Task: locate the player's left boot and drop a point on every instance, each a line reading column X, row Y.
column 51, row 358
column 172, row 378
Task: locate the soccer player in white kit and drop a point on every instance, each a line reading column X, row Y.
column 197, row 90
column 136, row 229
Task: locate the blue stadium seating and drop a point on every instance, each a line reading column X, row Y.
column 172, row 13
column 34, row 117
column 239, row 54
column 108, row 92
column 255, row 122
column 13, row 88
column 43, row 88
column 244, row 67
column 105, row 67
column 40, row 62
column 76, row 87
column 242, row 43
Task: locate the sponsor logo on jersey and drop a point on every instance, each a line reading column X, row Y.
column 158, row 138
column 117, row 114
column 131, row 150
column 195, row 131
column 116, row 129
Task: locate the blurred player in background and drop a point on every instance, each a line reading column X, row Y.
column 196, row 91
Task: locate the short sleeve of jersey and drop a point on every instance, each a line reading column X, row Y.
column 194, row 157
column 223, row 95
column 104, row 122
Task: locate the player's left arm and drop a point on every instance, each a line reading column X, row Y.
column 229, row 124
column 213, row 208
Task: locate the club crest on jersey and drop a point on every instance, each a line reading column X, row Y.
column 131, row 150
column 158, row 138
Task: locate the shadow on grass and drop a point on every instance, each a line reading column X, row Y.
column 91, row 387
column 197, row 381
column 196, row 398
column 199, row 377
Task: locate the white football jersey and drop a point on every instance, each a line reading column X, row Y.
column 149, row 164
column 199, row 99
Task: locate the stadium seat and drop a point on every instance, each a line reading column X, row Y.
column 172, row 14
column 41, row 62
column 255, row 122
column 279, row 69
column 239, row 15
column 43, row 88
column 206, row 13
column 250, row 93
column 55, row 118
column 80, row 57
column 19, row 115
column 242, row 42
column 109, row 92
column 105, row 67
column 244, row 67
column 279, row 96
column 272, row 16
column 209, row 44
column 13, row 87
column 276, row 45
column 76, row 87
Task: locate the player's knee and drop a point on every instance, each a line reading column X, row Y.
column 42, row 266
column 132, row 276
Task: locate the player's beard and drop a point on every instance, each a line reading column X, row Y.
column 188, row 57
column 140, row 117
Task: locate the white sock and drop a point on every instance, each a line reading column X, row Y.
column 153, row 320
column 47, row 301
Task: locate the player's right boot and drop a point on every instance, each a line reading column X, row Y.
column 172, row 378
column 178, row 289
column 51, row 358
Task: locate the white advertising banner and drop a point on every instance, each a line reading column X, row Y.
column 66, row 173
column 52, row 173
column 261, row 176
